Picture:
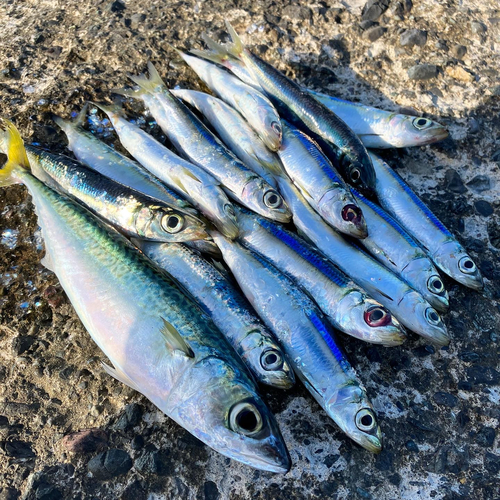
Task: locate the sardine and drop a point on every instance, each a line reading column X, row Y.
column 249, row 102
column 236, row 134
column 309, row 115
column 308, row 341
column 196, row 143
column 390, row 244
column 158, row 340
column 445, row 251
column 133, row 213
column 409, row 307
column 346, row 305
column 198, row 186
column 320, row 183
column 229, row 310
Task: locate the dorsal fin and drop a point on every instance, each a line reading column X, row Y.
column 174, row 340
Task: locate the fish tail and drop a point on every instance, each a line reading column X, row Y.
column 236, row 47
column 149, row 84
column 79, row 121
column 12, row 144
column 112, row 110
column 216, row 52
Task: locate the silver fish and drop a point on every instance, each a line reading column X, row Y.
column 195, row 142
column 346, row 305
column 320, row 183
column 390, row 244
column 308, row 341
column 446, row 252
column 158, row 340
column 229, row 310
column 409, row 307
column 198, row 186
column 236, row 134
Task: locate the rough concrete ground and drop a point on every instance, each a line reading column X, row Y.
column 439, row 410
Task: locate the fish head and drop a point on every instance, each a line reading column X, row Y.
column 423, row 319
column 351, row 410
column 456, row 262
column 260, row 197
column 422, row 274
column 415, row 131
column 272, row 131
column 267, row 360
column 220, row 211
column 366, row 319
column 221, row 407
column 359, row 172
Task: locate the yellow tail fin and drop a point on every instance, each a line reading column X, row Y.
column 236, row 47
column 13, row 146
column 152, row 83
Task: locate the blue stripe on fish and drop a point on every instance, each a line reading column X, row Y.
column 293, row 242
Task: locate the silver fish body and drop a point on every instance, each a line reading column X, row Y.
column 390, row 244
column 229, row 310
column 346, row 305
column 133, row 213
column 235, row 132
column 198, row 186
column 308, row 342
column 249, row 102
column 441, row 246
column 196, row 143
column 409, row 307
column 320, row 183
column 382, row 129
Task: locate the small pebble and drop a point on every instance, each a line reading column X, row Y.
column 445, row 399
column 459, row 51
column 374, row 33
column 478, row 28
column 459, row 73
column 85, row 441
column 411, row 446
column 454, row 182
column 373, row 9
column 423, row 72
column 410, row 38
column 483, row 208
column 479, row 183
column 110, row 464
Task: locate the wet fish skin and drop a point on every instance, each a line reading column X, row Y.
column 249, row 102
column 403, row 204
column 131, row 212
column 306, row 113
column 391, row 245
column 158, row 340
column 345, row 304
column 197, row 144
column 235, row 132
column 229, row 310
column 98, row 156
column 406, row 304
column 308, row 341
column 198, row 186
column 320, row 183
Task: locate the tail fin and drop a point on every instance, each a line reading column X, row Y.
column 216, row 52
column 12, row 144
column 135, row 94
column 113, row 111
column 151, row 84
column 236, row 47
column 77, row 122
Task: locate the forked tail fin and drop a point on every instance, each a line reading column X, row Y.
column 12, row 145
column 150, row 84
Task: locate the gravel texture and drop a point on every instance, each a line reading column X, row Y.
column 67, row 430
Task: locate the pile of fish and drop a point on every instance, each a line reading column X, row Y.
column 233, row 264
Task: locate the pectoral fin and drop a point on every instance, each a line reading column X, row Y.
column 174, row 340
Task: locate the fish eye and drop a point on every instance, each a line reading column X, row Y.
column 229, row 209
column 276, row 128
column 172, row 223
column 365, row 420
column 272, row 199
column 271, row 359
column 466, row 265
column 377, row 316
column 351, row 213
column 245, row 419
column 432, row 316
column 355, row 175
column 435, row 285
column 421, row 123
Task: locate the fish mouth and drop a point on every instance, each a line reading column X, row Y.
column 272, row 457
column 353, row 215
column 436, row 134
column 370, row 443
column 280, row 379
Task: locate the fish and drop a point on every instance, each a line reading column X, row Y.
column 133, row 213
column 248, row 101
column 336, row 139
column 158, row 340
column 320, row 183
column 228, row 308
column 405, row 206
column 391, row 245
column 191, row 181
column 197, row 144
column 406, row 304
column 98, row 156
column 381, row 129
column 235, row 133
column 308, row 340
column 345, row 304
